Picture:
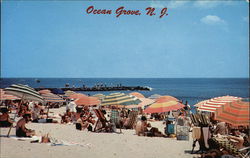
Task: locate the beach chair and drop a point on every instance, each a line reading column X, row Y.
column 115, row 118
column 102, row 120
column 132, row 120
column 230, row 148
column 200, row 120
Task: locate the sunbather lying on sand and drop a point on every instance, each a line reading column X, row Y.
column 21, row 130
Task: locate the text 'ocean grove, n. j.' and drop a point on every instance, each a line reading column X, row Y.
column 150, row 11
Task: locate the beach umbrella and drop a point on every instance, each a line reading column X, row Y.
column 144, row 102
column 87, row 101
column 154, row 96
column 69, row 92
column 236, row 113
column 4, row 96
column 212, row 104
column 50, row 97
column 44, row 91
column 119, row 99
column 77, row 95
column 57, row 91
column 159, row 107
column 137, row 94
column 100, row 96
column 24, row 92
column 166, row 98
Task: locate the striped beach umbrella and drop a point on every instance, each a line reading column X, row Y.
column 77, row 96
column 50, row 97
column 212, row 104
column 4, row 96
column 154, row 96
column 137, row 94
column 144, row 102
column 57, row 91
column 160, row 107
column 166, row 98
column 235, row 113
column 24, row 92
column 87, row 101
column 69, row 92
column 99, row 95
column 44, row 91
column 119, row 99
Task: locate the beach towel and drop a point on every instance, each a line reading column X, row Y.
column 53, row 141
column 57, row 142
column 115, row 118
column 196, row 133
column 206, row 135
column 33, row 138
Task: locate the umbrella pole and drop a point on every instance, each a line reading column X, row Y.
column 48, row 111
column 15, row 116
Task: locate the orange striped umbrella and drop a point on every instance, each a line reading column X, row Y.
column 235, row 113
column 77, row 96
column 166, row 98
column 160, row 107
column 212, row 104
column 137, row 94
column 87, row 101
column 50, row 97
column 4, row 96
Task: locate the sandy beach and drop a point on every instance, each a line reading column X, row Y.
column 92, row 144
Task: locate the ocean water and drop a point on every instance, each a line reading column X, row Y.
column 192, row 90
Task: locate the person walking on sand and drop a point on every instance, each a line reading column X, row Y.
column 21, row 130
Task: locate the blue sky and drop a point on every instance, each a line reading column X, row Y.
column 59, row 39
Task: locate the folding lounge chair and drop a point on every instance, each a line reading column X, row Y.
column 102, row 120
column 199, row 120
column 229, row 147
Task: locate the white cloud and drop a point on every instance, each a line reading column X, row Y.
column 211, row 4
column 157, row 4
column 169, row 4
column 206, row 4
column 176, row 4
column 212, row 20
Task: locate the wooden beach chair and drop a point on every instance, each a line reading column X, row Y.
column 199, row 120
column 101, row 119
column 116, row 119
column 132, row 119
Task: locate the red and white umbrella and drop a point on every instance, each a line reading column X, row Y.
column 4, row 96
column 214, row 103
column 87, row 101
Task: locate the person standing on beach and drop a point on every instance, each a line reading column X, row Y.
column 71, row 106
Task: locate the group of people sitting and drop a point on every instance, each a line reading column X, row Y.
column 143, row 128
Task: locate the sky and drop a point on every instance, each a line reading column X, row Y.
column 197, row 39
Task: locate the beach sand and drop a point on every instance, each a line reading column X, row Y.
column 93, row 144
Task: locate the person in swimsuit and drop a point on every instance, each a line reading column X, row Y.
column 5, row 120
column 21, row 130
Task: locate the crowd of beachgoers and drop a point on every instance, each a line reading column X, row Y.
column 214, row 138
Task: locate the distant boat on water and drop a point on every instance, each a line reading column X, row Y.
column 37, row 81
